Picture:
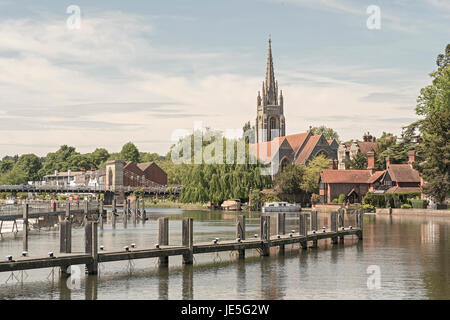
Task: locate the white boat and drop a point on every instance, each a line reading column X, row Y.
column 281, row 207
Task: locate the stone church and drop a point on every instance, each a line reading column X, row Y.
column 272, row 143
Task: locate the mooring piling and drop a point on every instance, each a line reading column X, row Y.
column 334, row 226
column 303, row 229
column 113, row 213
column 265, row 235
column 25, row 226
column 91, row 246
column 65, row 232
column 163, row 238
column 188, row 239
column 314, row 226
column 240, row 233
column 281, row 228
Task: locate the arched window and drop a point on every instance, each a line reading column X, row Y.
column 110, row 177
column 272, row 126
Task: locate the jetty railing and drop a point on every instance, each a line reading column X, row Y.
column 263, row 242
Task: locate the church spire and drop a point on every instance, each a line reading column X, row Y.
column 270, row 78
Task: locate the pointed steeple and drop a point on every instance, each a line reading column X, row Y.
column 270, row 78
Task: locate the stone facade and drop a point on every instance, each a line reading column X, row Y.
column 270, row 121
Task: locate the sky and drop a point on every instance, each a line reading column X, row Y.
column 139, row 70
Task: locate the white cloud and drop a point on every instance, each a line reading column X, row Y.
column 106, row 84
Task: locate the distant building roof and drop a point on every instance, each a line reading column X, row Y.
column 309, row 147
column 403, row 173
column 345, row 176
column 397, row 189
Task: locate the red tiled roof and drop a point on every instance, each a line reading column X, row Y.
column 403, row 173
column 145, row 165
column 403, row 189
column 309, row 147
column 297, row 140
column 345, row 176
column 263, row 150
column 365, row 147
column 376, row 176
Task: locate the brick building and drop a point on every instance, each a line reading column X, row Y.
column 121, row 173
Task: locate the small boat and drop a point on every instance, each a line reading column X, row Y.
column 281, row 207
column 231, row 205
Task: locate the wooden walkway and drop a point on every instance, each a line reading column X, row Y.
column 94, row 255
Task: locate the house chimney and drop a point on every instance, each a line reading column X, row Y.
column 371, row 161
column 388, row 162
column 412, row 157
column 331, row 164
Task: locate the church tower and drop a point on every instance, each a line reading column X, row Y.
column 270, row 122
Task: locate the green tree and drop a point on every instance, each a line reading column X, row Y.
column 311, row 179
column 6, row 165
column 290, row 179
column 434, row 104
column 359, row 162
column 77, row 162
column 57, row 160
column 149, row 157
column 328, row 133
column 130, row 153
column 98, row 157
column 29, row 165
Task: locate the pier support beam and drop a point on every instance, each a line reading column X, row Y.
column 143, row 213
column 91, row 245
column 65, row 232
column 163, row 237
column 240, row 233
column 86, row 211
column 25, row 226
column 100, row 215
column 281, row 228
column 113, row 213
column 314, row 226
column 359, row 218
column 134, row 212
column 334, row 226
column 125, row 213
column 188, row 240
column 303, row 229
column 341, row 219
column 265, row 235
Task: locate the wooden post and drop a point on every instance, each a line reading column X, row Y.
column 163, row 237
column 100, row 215
column 143, row 213
column 25, row 226
column 359, row 215
column 314, row 225
column 265, row 235
column 113, row 213
column 334, row 226
column 281, row 228
column 240, row 233
column 188, row 239
column 65, row 232
column 341, row 220
column 303, row 229
column 91, row 245
column 85, row 210
column 135, row 212
column 125, row 213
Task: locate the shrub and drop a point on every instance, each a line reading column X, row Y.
column 341, row 198
column 368, row 208
column 335, row 200
column 315, row 198
column 405, row 206
column 419, row 203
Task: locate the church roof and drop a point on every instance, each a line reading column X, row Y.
column 307, row 149
column 297, row 140
column 263, row 150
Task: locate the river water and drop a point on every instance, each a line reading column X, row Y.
column 410, row 256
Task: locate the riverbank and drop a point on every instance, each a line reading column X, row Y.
column 414, row 212
column 174, row 204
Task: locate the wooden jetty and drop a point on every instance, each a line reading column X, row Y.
column 92, row 256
